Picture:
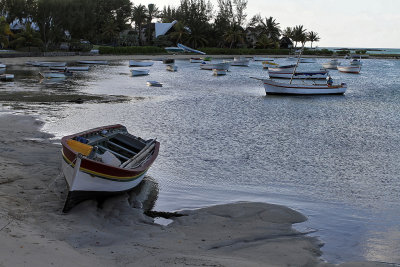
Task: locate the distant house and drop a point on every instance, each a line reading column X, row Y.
column 285, row 42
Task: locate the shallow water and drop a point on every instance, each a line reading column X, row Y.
column 333, row 158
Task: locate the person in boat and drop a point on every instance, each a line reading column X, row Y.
column 329, row 81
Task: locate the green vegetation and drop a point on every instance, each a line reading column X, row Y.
column 119, row 25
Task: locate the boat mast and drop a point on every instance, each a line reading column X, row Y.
column 298, row 61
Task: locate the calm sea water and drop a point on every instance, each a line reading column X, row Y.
column 333, row 158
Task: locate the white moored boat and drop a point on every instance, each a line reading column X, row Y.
column 138, row 63
column 240, row 62
column 2, row 66
column 104, row 161
column 349, row 69
column 93, row 62
column 172, row 67
column 273, row 87
column 51, row 74
column 140, row 72
column 218, row 72
column 71, row 68
column 211, row 66
column 289, row 74
column 332, row 64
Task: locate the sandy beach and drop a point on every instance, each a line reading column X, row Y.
column 34, row 231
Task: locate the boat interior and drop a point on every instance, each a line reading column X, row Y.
column 114, row 147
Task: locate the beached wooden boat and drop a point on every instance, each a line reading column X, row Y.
column 349, row 69
column 71, row 68
column 6, row 77
column 332, row 64
column 291, row 74
column 274, row 87
column 52, row 74
column 211, row 66
column 219, row 72
column 93, row 62
column 104, row 161
column 140, row 72
column 172, row 67
column 196, row 60
column 139, row 63
column 154, row 83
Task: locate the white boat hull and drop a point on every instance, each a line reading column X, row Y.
column 86, row 182
column 273, row 87
column 49, row 64
column 298, row 75
column 134, row 63
column 349, row 69
column 196, row 60
column 7, row 77
column 139, row 72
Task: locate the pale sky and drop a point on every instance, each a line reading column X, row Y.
column 343, row 23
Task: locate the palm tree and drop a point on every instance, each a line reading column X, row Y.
column 299, row 34
column 110, row 31
column 312, row 37
column 5, row 32
column 288, row 32
column 234, row 35
column 180, row 33
column 139, row 17
column 196, row 39
column 152, row 12
column 28, row 37
column 272, row 29
column 264, row 42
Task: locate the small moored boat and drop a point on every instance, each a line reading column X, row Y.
column 3, row 66
column 219, row 72
column 268, row 64
column 195, row 60
column 140, row 72
column 274, row 87
column 138, row 63
column 93, row 62
column 71, row 68
column 7, row 77
column 51, row 74
column 154, row 83
column 104, row 161
column 240, row 62
column 48, row 64
column 332, row 64
column 172, row 67
column 349, row 69
column 211, row 66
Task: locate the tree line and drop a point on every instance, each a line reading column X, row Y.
column 47, row 23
